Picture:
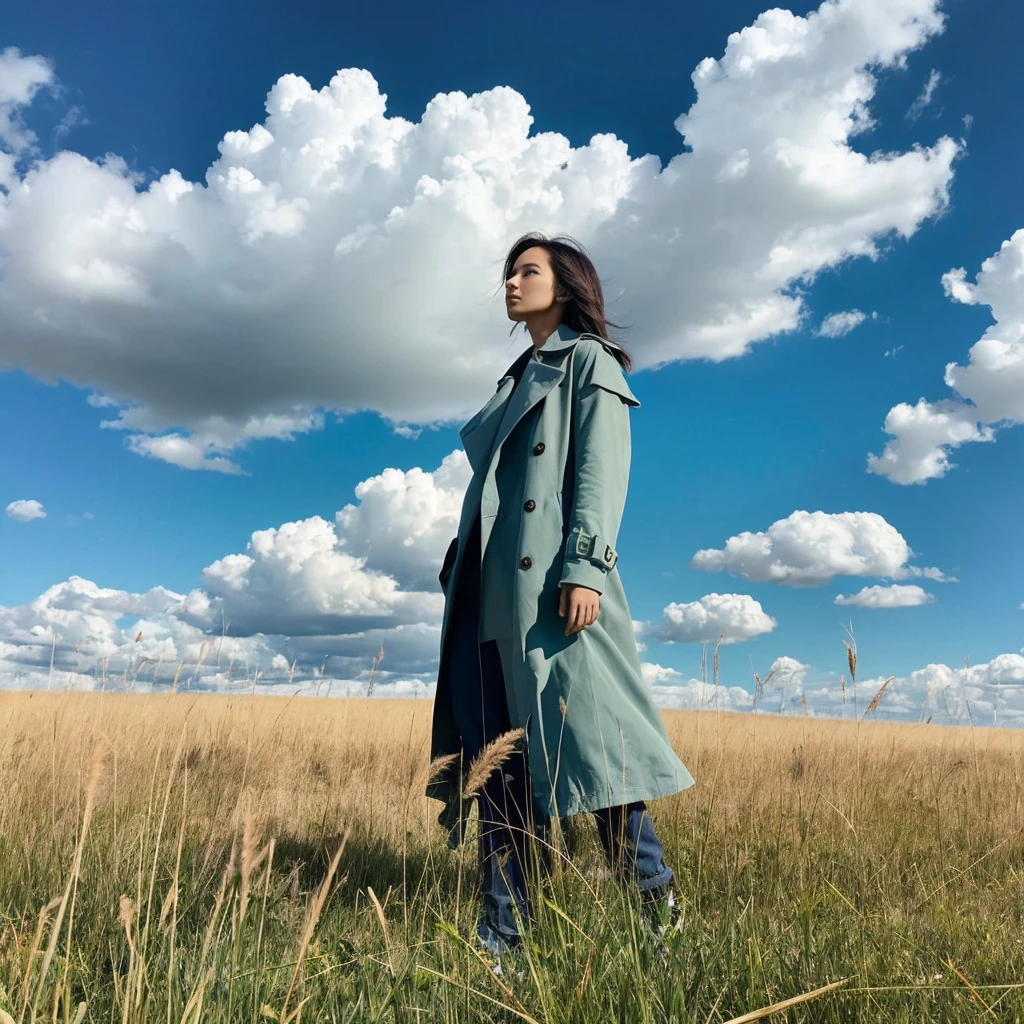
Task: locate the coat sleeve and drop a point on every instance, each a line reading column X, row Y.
column 602, row 456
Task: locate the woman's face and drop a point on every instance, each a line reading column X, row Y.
column 530, row 289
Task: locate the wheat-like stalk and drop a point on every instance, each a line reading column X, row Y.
column 851, row 660
column 33, row 951
column 877, row 699
column 312, row 916
column 440, row 765
column 495, row 753
column 250, row 841
column 126, row 914
column 714, row 668
column 168, row 904
column 379, row 910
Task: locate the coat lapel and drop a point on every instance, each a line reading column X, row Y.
column 538, row 379
column 478, row 433
column 483, row 436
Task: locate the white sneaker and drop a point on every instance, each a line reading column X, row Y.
column 493, row 946
column 662, row 918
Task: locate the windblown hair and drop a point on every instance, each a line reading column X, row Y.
column 575, row 273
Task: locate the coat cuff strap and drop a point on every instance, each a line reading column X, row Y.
column 581, row 544
column 587, row 560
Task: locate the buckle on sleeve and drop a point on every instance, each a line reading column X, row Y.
column 584, row 544
column 588, row 545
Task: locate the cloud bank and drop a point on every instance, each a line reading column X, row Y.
column 306, row 603
column 337, row 258
column 309, row 606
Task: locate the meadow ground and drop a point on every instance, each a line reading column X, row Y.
column 245, row 858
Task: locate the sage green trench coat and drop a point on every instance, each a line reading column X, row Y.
column 593, row 735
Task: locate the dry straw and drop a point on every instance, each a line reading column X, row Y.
column 767, row 1011
column 93, row 783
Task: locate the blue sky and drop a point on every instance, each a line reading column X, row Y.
column 243, row 329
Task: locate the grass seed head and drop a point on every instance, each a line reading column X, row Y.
column 496, row 752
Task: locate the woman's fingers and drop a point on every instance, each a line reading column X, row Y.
column 577, row 611
column 574, row 614
column 583, row 607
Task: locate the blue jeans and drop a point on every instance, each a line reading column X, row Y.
column 508, row 813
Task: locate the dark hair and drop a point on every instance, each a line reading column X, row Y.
column 575, row 273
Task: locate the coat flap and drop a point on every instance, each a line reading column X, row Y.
column 604, row 371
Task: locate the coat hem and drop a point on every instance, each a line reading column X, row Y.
column 598, row 801
column 454, row 822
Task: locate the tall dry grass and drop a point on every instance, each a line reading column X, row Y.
column 243, row 858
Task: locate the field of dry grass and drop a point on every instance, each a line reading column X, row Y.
column 244, row 858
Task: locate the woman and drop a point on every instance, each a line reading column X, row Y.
column 537, row 634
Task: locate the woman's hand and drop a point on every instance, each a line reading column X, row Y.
column 581, row 604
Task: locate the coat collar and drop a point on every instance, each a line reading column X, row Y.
column 557, row 342
column 561, row 338
column 564, row 337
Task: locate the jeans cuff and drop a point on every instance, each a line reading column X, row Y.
column 661, row 879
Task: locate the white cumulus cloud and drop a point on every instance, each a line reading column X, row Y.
column 295, row 579
column 835, row 325
column 735, row 617
column 811, row 548
column 989, row 389
column 654, row 673
column 375, row 566
column 897, row 595
column 405, row 520
column 25, row 510
column 337, row 258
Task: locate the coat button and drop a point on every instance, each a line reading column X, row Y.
column 530, row 505
column 538, row 448
column 526, row 563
